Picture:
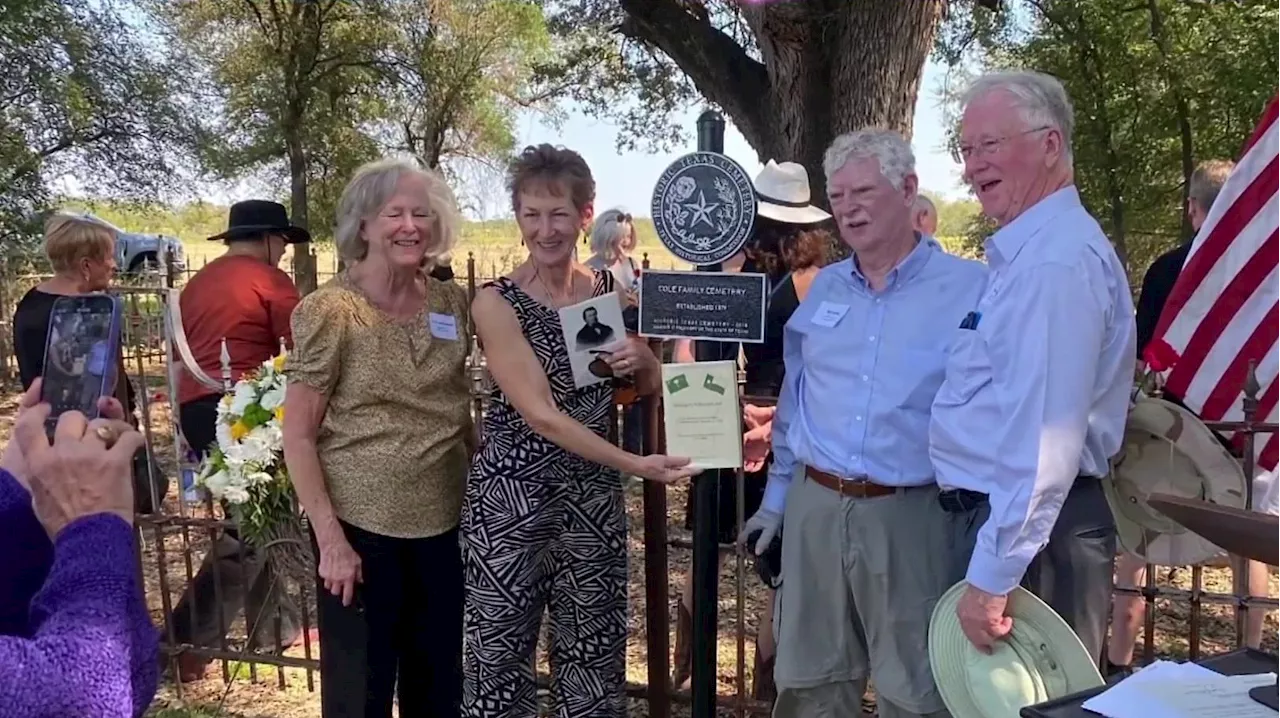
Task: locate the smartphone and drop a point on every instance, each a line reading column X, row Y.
column 80, row 355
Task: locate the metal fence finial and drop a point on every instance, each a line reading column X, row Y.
column 226, row 366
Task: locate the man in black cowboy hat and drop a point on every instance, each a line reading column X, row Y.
column 244, row 299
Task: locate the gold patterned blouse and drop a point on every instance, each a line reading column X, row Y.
column 393, row 439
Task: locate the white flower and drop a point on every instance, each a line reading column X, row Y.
column 236, row 495
column 256, row 457
column 223, row 432
column 268, row 435
column 244, row 397
column 216, row 483
column 254, row 450
column 272, row 397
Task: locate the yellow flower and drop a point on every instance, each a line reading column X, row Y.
column 239, row 430
column 226, row 400
column 280, row 414
column 278, row 362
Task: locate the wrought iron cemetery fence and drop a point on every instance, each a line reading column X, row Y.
column 183, row 530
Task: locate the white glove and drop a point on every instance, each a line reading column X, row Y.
column 767, row 523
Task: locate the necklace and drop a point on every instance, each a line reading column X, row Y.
column 551, row 297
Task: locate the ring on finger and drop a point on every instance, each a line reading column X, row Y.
column 106, row 433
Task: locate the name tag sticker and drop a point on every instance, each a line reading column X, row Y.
column 443, row 326
column 829, row 314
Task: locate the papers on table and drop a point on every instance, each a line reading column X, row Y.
column 1182, row 690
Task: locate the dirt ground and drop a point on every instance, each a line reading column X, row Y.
column 294, row 693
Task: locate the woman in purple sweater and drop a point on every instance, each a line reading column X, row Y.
column 75, row 636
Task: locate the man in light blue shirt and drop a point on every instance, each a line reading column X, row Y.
column 868, row 548
column 1038, row 383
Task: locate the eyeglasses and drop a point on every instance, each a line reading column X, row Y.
column 986, row 147
column 624, row 217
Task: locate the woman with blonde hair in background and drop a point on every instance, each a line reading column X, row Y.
column 544, row 525
column 377, row 434
column 82, row 253
column 613, row 239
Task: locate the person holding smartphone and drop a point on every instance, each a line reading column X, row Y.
column 75, row 634
column 81, row 252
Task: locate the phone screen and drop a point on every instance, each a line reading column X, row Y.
column 81, row 354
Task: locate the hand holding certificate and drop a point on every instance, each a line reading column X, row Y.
column 702, row 417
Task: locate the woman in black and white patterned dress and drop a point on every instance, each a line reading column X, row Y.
column 543, row 522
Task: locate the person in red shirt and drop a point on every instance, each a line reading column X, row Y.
column 244, row 298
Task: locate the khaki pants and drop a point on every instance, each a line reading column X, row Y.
column 860, row 578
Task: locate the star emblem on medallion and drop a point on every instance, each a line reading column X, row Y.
column 701, row 210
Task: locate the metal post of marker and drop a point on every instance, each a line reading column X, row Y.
column 706, row 489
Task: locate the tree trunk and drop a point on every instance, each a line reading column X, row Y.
column 855, row 66
column 826, row 67
column 304, row 264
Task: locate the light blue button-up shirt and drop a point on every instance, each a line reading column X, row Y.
column 862, row 367
column 1039, row 393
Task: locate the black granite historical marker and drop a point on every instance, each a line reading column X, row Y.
column 717, row 306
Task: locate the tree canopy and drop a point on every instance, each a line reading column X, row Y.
column 82, row 93
column 1158, row 86
column 122, row 95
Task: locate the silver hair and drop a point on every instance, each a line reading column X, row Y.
column 373, row 185
column 887, row 147
column 609, row 230
column 1041, row 99
column 1207, row 180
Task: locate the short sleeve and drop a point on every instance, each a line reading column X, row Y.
column 319, row 325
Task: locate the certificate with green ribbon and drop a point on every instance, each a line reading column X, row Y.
column 701, row 413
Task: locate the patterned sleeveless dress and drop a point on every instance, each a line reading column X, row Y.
column 544, row 529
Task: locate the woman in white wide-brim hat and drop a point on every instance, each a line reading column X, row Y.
column 790, row 245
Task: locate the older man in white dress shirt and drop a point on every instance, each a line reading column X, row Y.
column 1037, row 387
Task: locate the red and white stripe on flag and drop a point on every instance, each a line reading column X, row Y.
column 1222, row 311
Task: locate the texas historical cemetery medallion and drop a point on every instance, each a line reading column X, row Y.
column 703, row 207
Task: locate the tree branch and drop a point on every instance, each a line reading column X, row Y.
column 262, row 24
column 718, row 66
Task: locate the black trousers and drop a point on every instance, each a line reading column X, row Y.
column 233, row 576
column 402, row 633
column 1075, row 572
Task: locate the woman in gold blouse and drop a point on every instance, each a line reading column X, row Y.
column 377, row 436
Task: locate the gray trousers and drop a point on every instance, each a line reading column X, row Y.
column 860, row 578
column 1075, row 572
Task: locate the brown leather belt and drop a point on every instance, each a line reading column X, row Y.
column 853, row 488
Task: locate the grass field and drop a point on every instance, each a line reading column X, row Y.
column 495, row 246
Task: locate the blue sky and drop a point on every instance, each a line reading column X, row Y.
column 627, row 179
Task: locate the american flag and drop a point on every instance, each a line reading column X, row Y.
column 1223, row 310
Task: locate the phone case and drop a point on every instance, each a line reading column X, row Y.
column 105, row 303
